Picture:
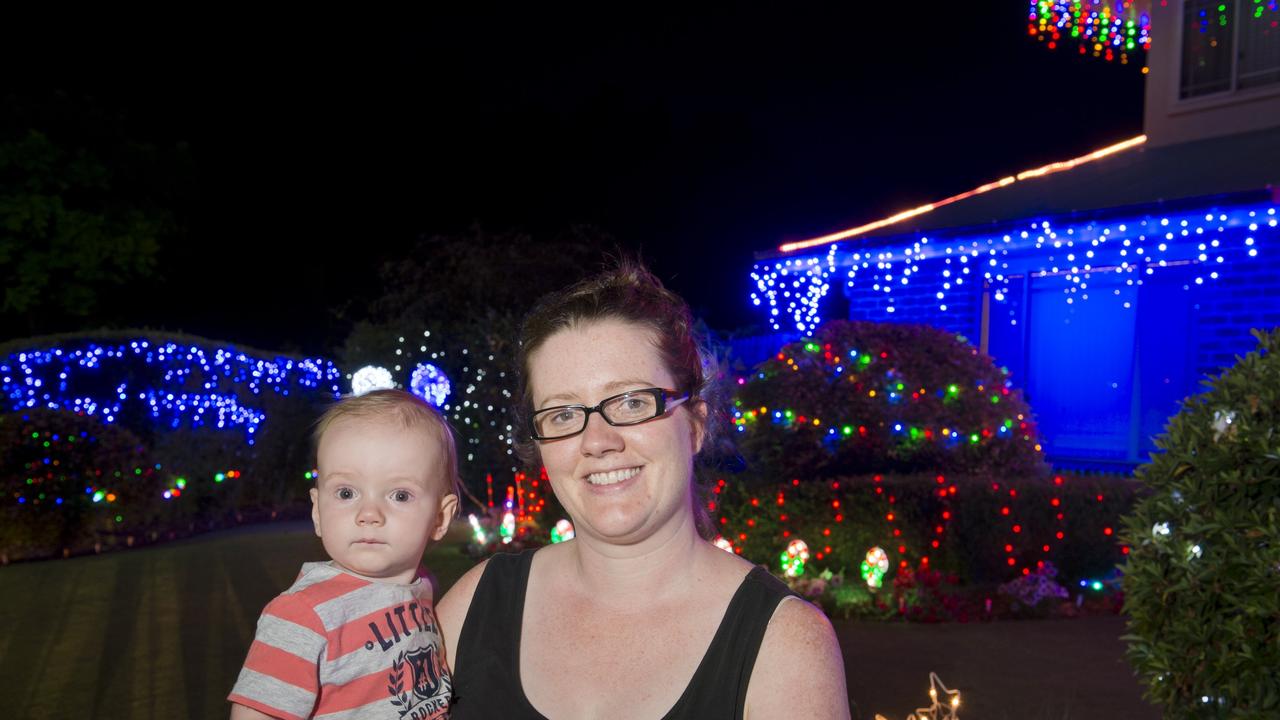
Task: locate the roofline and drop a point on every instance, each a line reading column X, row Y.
column 1041, row 171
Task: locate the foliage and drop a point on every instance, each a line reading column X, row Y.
column 212, row 476
column 70, row 230
column 457, row 302
column 1201, row 582
column 1034, row 591
column 65, row 478
column 865, row 397
column 957, row 528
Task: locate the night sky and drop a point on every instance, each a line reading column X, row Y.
column 324, row 148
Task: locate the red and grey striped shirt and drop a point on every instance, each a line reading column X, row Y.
column 337, row 646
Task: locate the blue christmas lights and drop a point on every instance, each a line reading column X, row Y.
column 429, row 383
column 183, row 384
column 790, row 290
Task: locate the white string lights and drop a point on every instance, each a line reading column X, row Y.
column 1210, row 240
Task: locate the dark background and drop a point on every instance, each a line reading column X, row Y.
column 320, row 149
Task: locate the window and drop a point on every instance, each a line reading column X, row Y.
column 1229, row 45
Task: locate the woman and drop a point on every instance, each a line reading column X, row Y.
column 638, row 616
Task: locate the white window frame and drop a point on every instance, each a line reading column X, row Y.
column 1232, row 94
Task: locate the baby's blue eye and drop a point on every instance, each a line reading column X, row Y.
column 346, row 494
column 402, row 496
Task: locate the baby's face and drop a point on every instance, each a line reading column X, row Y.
column 380, row 497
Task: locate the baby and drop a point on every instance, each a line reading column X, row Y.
column 357, row 636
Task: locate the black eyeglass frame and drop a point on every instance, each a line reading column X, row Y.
column 666, row 400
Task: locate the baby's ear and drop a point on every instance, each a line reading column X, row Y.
column 315, row 510
column 448, row 509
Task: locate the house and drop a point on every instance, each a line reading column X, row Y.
column 1110, row 284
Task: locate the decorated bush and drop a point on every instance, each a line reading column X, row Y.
column 1202, row 585
column 211, row 433
column 934, row 546
column 866, row 397
column 67, row 479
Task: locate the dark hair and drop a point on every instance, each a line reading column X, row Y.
column 630, row 293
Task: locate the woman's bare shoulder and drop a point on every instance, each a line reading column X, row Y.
column 799, row 650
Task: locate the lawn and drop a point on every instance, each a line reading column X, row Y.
column 161, row 632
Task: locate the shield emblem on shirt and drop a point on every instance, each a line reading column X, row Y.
column 425, row 664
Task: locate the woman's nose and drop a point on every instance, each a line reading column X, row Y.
column 599, row 437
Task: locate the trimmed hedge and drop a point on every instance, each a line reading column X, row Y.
column 864, row 397
column 187, row 476
column 841, row 519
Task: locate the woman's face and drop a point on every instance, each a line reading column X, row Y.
column 620, row 484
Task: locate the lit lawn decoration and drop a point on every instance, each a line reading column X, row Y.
column 722, row 543
column 874, row 566
column 370, row 378
column 794, row 558
column 507, row 530
column 944, row 705
column 562, row 531
column 479, row 535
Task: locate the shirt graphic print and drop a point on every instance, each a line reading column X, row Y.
column 339, row 647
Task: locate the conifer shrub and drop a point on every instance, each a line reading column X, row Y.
column 1202, row 583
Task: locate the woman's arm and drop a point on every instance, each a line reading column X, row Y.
column 799, row 671
column 451, row 611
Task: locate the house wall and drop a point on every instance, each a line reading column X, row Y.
column 1168, row 120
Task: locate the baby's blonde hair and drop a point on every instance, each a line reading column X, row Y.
column 400, row 409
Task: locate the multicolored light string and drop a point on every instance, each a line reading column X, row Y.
column 1109, row 29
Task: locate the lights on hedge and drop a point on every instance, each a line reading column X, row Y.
column 1160, row 529
column 874, row 566
column 429, row 383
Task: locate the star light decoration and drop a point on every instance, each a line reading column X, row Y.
column 175, row 384
column 791, row 289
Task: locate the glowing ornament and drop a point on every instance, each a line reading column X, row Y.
column 1160, row 529
column 794, row 558
column 562, row 531
column 874, row 567
column 370, row 378
column 508, row 528
column 1222, row 423
column 478, row 533
column 722, row 543
column 429, row 383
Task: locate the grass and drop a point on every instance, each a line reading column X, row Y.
column 161, row 632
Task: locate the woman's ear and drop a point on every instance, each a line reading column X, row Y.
column 698, row 407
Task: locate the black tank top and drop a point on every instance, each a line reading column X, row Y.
column 488, row 649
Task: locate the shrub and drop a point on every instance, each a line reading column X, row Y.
column 866, row 397
column 974, row 532
column 1202, row 585
column 67, row 480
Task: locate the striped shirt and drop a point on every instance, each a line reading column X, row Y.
column 336, row 646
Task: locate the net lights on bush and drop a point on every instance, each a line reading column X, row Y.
column 1109, row 29
column 370, row 378
column 185, row 385
column 1212, row 240
column 429, row 383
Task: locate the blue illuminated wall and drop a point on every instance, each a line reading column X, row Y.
column 1106, row 322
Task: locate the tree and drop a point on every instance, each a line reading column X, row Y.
column 63, row 240
column 1201, row 581
column 457, row 303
